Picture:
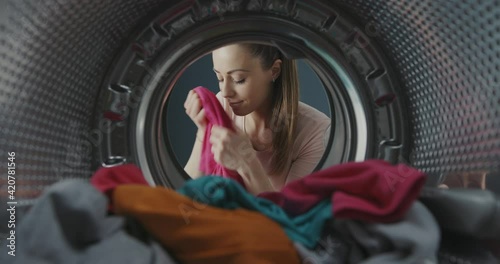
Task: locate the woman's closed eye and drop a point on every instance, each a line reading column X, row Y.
column 242, row 81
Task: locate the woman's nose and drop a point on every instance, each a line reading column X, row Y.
column 226, row 89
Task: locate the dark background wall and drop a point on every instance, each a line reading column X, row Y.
column 181, row 130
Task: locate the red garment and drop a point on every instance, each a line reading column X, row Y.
column 215, row 115
column 107, row 179
column 373, row 191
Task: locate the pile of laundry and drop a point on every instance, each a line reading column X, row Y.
column 358, row 212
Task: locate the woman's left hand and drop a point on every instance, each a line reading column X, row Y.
column 232, row 150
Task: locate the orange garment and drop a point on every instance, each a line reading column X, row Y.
column 196, row 233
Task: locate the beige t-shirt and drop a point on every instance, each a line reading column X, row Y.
column 313, row 128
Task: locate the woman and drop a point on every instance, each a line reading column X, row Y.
column 278, row 138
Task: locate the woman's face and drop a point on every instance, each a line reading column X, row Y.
column 242, row 81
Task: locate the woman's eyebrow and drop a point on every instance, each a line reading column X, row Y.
column 231, row 71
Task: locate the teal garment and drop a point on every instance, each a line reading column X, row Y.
column 228, row 194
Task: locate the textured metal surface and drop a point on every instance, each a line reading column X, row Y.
column 448, row 56
column 54, row 55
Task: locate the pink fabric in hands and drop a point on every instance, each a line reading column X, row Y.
column 215, row 115
column 372, row 191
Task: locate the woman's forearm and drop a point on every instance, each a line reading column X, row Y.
column 192, row 167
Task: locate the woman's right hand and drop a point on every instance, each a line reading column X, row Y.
column 195, row 111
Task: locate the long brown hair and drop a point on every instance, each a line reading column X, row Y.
column 285, row 104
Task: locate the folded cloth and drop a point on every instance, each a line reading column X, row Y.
column 69, row 224
column 372, row 190
column 226, row 193
column 196, row 233
column 215, row 115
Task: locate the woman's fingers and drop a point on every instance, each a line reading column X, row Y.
column 224, row 156
column 188, row 99
column 230, row 149
column 200, row 117
column 217, row 136
column 196, row 104
column 193, row 106
column 220, row 132
column 188, row 104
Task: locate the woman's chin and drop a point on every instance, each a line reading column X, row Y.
column 240, row 111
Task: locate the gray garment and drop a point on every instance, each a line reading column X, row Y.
column 69, row 224
column 314, row 256
column 333, row 247
column 415, row 238
column 331, row 253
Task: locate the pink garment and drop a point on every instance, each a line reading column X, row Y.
column 373, row 191
column 215, row 115
column 107, row 179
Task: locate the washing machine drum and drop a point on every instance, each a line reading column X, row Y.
column 85, row 84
